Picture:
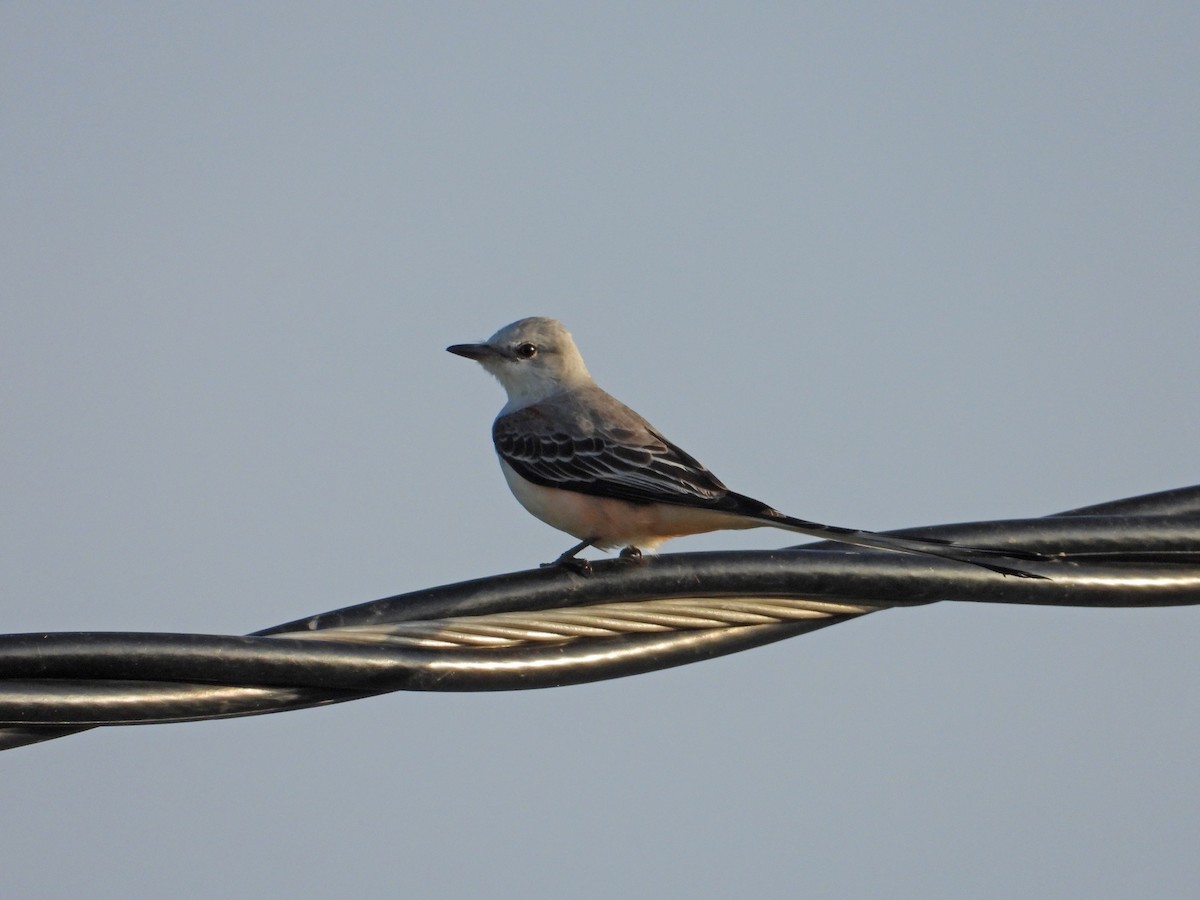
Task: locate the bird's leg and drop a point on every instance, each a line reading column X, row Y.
column 632, row 553
column 568, row 560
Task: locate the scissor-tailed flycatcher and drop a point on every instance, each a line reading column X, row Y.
column 582, row 461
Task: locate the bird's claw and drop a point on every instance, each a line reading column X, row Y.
column 571, row 564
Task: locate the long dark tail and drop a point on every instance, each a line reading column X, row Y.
column 976, row 556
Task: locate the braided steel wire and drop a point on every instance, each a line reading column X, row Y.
column 550, row 628
column 601, row 620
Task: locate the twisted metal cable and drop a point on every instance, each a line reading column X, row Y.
column 601, row 620
column 548, row 627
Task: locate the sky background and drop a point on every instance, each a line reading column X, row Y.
column 876, row 264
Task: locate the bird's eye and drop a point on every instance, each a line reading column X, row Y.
column 526, row 350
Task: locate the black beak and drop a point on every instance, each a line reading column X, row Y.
column 473, row 351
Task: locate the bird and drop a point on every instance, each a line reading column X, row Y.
column 585, row 463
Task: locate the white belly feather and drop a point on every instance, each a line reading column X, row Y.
column 612, row 523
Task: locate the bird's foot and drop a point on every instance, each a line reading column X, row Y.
column 632, row 554
column 570, row 563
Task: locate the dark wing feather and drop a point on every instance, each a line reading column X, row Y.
column 627, row 462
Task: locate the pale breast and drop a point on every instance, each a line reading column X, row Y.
column 616, row 523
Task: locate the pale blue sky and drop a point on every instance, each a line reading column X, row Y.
column 876, row 264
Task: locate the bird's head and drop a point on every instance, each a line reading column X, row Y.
column 533, row 359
